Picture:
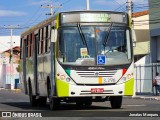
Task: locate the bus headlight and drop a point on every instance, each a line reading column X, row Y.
column 62, row 77
column 129, row 76
column 68, row 79
column 124, row 79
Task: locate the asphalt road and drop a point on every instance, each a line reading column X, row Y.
column 18, row 102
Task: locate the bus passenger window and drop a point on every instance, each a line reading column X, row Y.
column 46, row 39
column 27, row 41
column 21, row 49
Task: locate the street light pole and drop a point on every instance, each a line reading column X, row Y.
column 11, row 55
column 11, row 27
column 88, row 8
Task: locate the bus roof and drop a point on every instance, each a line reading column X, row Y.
column 39, row 25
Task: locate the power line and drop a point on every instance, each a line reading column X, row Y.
column 120, row 7
column 65, row 2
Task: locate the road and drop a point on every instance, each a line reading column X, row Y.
column 16, row 101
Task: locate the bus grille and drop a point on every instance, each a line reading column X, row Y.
column 96, row 73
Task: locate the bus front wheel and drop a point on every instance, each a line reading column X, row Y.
column 116, row 101
column 53, row 103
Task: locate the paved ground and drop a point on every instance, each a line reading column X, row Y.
column 17, row 101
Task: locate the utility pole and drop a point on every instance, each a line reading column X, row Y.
column 130, row 10
column 129, row 7
column 51, row 7
column 88, row 8
column 11, row 27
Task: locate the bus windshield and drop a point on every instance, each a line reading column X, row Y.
column 81, row 44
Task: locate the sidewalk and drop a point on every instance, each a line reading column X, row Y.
column 147, row 97
column 14, row 90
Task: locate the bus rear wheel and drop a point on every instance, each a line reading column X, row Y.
column 32, row 98
column 116, row 102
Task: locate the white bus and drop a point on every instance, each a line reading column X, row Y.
column 78, row 56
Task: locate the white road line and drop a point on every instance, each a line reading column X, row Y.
column 135, row 105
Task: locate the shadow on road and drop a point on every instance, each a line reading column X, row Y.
column 64, row 106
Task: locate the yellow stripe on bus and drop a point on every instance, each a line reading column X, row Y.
column 100, row 80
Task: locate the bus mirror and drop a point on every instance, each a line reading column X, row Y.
column 134, row 38
column 53, row 35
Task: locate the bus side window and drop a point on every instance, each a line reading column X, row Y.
column 21, row 49
column 38, row 42
column 27, row 43
column 46, row 39
column 31, row 42
column 42, row 40
column 49, row 38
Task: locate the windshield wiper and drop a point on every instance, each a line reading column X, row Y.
column 107, row 35
column 82, row 36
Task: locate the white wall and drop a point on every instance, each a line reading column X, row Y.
column 6, row 40
column 143, row 22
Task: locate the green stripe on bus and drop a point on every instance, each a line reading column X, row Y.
column 57, row 21
column 68, row 72
column 129, row 87
column 62, row 88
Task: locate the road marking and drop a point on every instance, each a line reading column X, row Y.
column 135, row 105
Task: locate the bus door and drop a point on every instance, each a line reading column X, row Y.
column 24, row 64
column 36, row 38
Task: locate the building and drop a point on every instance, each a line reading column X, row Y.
column 154, row 18
column 141, row 27
column 6, row 81
column 5, row 42
column 143, row 68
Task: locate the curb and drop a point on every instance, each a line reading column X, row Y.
column 147, row 98
column 14, row 90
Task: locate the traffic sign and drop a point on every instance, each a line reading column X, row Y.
column 101, row 59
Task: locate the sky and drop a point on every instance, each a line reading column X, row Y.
column 26, row 13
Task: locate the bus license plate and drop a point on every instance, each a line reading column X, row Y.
column 97, row 90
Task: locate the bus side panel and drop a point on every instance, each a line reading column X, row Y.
column 30, row 72
column 129, row 87
column 44, row 70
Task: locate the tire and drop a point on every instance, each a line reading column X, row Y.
column 88, row 103
column 80, row 105
column 116, row 102
column 54, row 103
column 32, row 98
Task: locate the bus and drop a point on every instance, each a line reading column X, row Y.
column 80, row 57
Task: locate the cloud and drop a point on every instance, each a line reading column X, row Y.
column 9, row 13
column 112, row 2
column 37, row 2
column 102, row 2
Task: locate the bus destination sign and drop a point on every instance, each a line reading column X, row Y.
column 98, row 17
column 94, row 17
